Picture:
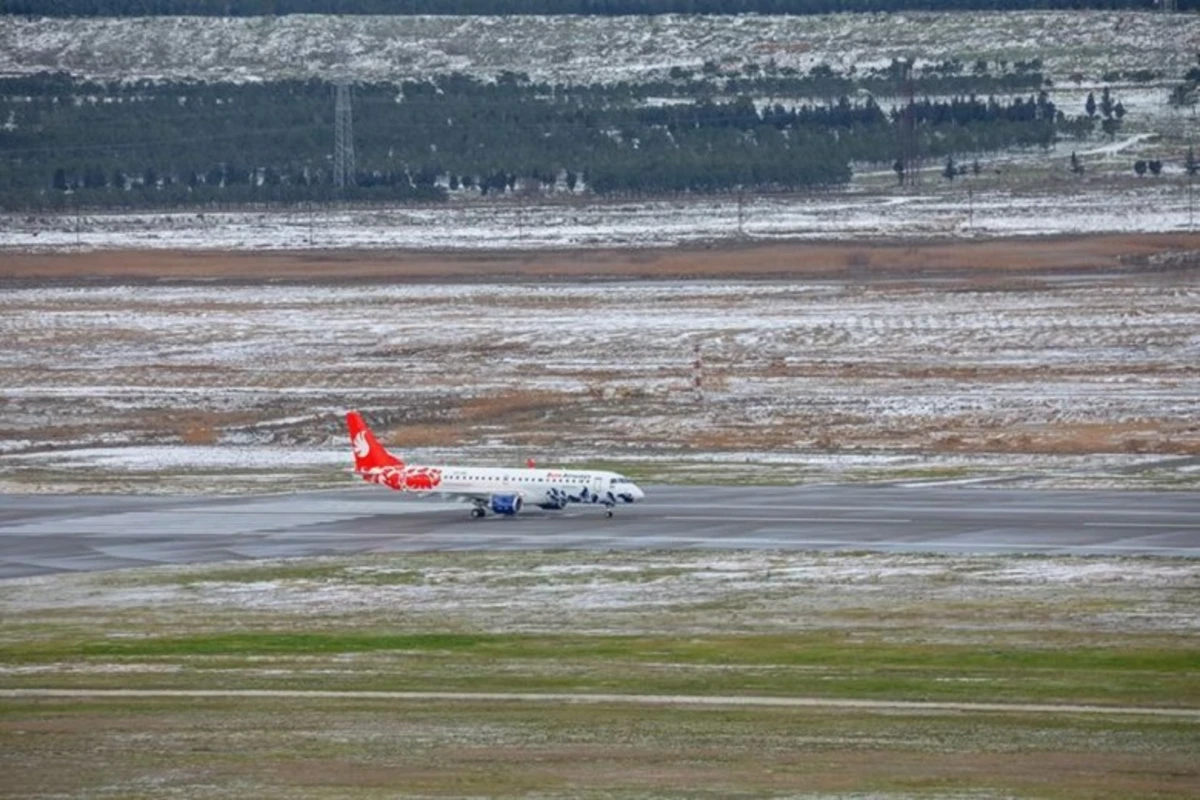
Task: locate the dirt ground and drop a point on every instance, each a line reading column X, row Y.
column 1103, row 253
column 1072, row 356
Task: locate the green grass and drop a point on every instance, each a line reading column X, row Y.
column 360, row 748
column 813, row 650
column 819, row 664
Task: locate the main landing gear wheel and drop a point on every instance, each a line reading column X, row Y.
column 477, row 512
column 608, row 513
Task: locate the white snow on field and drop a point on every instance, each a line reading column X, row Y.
column 231, row 465
column 1124, row 206
column 192, row 457
column 676, row 592
column 573, row 48
column 812, row 381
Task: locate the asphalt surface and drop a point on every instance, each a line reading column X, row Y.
column 44, row 534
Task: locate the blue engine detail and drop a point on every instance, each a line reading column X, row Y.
column 556, row 499
column 507, row 504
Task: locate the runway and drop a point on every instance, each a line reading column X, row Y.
column 44, row 534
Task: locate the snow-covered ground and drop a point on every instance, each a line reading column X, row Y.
column 119, row 389
column 964, row 598
column 573, row 49
column 1152, row 205
column 1076, row 48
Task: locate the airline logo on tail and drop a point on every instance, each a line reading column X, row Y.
column 362, row 448
column 368, row 452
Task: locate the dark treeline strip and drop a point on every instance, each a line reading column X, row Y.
column 69, row 142
column 123, row 8
column 767, row 80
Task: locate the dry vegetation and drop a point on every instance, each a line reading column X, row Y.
column 984, row 260
column 988, row 363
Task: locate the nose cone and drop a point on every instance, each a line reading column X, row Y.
column 638, row 494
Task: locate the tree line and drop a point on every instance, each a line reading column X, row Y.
column 68, row 141
column 124, row 8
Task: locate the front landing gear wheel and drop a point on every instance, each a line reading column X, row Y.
column 608, row 513
column 477, row 512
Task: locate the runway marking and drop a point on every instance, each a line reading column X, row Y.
column 1136, row 525
column 612, row 699
column 785, row 519
column 935, row 545
column 930, row 508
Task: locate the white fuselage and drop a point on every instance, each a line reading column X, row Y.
column 547, row 488
column 505, row 491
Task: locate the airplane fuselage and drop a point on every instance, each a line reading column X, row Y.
column 544, row 488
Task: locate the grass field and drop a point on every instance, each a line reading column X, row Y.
column 1111, row 632
column 326, row 749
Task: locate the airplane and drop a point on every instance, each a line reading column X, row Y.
column 504, row 492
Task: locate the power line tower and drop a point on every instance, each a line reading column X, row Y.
column 906, row 130
column 343, row 137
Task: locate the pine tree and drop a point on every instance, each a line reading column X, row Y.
column 950, row 170
column 1090, row 105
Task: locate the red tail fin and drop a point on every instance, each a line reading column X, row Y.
column 368, row 452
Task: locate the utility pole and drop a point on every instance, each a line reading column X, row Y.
column 741, row 200
column 343, row 137
column 906, row 129
column 1190, row 168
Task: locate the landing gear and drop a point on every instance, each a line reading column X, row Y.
column 608, row 512
column 477, row 512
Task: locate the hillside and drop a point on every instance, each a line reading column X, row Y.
column 204, row 112
column 570, row 49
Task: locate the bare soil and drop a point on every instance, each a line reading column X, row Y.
column 1103, row 253
column 1014, row 351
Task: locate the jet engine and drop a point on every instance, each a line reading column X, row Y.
column 507, row 504
column 553, row 499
